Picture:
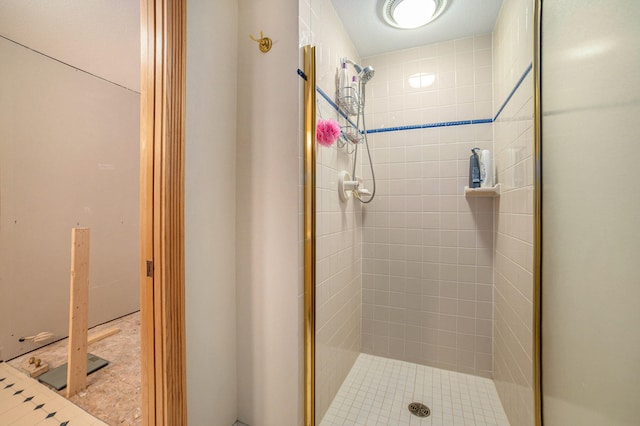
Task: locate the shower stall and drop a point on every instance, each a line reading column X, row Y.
column 408, row 277
column 431, row 286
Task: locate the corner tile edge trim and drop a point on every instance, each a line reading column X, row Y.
column 515, row 88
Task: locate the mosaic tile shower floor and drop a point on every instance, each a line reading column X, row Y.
column 378, row 391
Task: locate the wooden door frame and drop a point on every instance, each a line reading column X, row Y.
column 162, row 129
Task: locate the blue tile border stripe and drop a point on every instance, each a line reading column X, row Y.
column 430, row 125
column 524, row 75
column 329, row 100
column 427, row 125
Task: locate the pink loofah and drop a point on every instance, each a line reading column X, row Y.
column 327, row 132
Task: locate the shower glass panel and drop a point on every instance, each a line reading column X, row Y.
column 338, row 261
column 590, row 211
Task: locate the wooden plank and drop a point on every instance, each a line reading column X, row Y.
column 34, row 371
column 100, row 335
column 78, row 312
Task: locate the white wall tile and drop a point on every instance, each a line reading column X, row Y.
column 512, row 55
column 439, row 250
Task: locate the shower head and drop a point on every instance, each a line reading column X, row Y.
column 365, row 74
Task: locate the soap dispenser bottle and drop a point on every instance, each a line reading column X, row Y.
column 474, row 169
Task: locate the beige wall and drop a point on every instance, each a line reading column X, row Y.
column 210, row 208
column 513, row 266
column 591, row 211
column 69, row 156
column 269, row 290
column 97, row 36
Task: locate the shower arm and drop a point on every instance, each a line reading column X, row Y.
column 346, row 60
column 357, row 67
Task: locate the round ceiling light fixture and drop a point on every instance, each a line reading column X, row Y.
column 408, row 14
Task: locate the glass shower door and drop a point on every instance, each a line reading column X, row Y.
column 590, row 212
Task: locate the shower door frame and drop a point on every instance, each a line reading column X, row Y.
column 162, row 139
column 309, row 234
column 537, row 213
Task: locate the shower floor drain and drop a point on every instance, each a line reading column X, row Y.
column 418, row 409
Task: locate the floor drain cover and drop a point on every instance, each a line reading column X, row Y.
column 418, row 409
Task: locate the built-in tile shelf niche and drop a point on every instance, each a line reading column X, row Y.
column 492, row 191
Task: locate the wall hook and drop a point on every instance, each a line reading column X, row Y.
column 264, row 43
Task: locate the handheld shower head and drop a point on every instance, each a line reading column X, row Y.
column 365, row 74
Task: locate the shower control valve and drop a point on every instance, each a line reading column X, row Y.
column 346, row 186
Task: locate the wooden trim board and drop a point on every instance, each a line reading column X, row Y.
column 163, row 87
column 147, row 128
column 101, row 335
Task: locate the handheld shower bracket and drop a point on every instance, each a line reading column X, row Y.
column 346, row 186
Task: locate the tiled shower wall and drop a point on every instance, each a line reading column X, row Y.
column 427, row 249
column 513, row 308
column 338, row 225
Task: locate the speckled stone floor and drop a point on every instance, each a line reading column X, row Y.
column 113, row 392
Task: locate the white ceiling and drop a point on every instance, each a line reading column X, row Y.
column 372, row 36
